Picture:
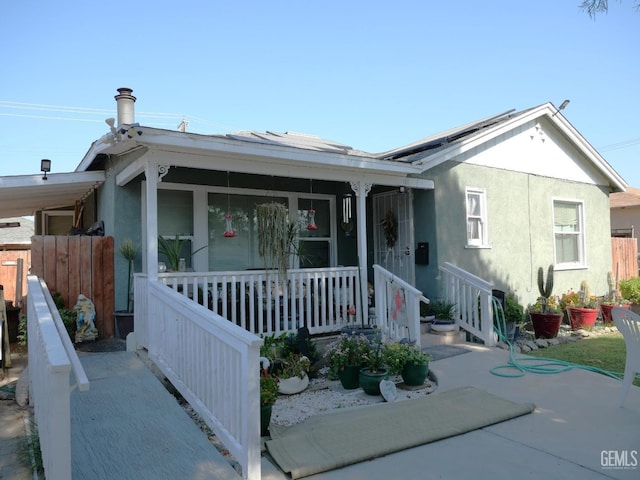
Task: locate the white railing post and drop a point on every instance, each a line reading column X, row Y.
column 472, row 297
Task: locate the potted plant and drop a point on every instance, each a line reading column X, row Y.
column 374, row 370
column 293, row 377
column 345, row 357
column 173, row 250
column 581, row 307
column 612, row 299
column 513, row 316
column 268, row 395
column 545, row 314
column 408, row 361
column 630, row 291
column 124, row 318
column 444, row 312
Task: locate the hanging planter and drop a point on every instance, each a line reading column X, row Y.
column 273, row 235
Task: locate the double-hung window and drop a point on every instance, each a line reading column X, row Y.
column 568, row 231
column 477, row 233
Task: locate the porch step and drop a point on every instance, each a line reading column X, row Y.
column 429, row 337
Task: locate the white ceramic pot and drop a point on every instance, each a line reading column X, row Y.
column 289, row 386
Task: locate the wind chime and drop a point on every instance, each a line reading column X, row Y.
column 229, row 232
column 346, row 224
column 312, row 213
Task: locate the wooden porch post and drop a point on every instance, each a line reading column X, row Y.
column 361, row 190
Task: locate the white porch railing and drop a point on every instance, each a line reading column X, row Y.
column 397, row 306
column 472, row 297
column 212, row 362
column 263, row 302
column 51, row 360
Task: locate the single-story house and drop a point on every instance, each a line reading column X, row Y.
column 498, row 197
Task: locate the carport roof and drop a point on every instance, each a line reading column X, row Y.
column 25, row 194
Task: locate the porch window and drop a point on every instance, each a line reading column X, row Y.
column 568, row 230
column 477, row 234
column 314, row 244
column 239, row 252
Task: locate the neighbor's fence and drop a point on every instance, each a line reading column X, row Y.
column 472, row 297
column 14, row 267
column 73, row 265
column 214, row 364
column 624, row 257
column 397, row 306
column 51, row 360
column 263, row 302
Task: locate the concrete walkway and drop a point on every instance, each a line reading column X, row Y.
column 576, row 431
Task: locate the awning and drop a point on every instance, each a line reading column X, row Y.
column 23, row 195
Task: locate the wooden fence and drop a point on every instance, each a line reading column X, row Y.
column 74, row 265
column 624, row 257
column 9, row 271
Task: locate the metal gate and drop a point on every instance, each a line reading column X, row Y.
column 393, row 220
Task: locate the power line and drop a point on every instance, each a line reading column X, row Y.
column 619, row 145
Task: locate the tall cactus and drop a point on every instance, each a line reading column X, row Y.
column 545, row 288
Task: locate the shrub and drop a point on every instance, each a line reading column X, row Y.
column 630, row 289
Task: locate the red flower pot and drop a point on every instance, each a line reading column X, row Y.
column 582, row 317
column 606, row 311
column 546, row 325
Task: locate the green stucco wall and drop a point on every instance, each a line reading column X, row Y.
column 519, row 217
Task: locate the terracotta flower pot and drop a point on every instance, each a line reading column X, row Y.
column 582, row 317
column 606, row 311
column 546, row 325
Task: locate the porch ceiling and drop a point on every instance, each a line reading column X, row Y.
column 26, row 194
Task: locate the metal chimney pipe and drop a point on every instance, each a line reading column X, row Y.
column 125, row 101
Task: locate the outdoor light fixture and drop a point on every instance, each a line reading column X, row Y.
column 562, row 106
column 45, row 166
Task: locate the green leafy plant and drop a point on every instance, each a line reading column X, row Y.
column 29, row 452
column 346, row 350
column 513, row 312
column 129, row 250
column 375, row 359
column 173, row 250
column 295, row 365
column 398, row 355
column 69, row 316
column 630, row 289
column 268, row 390
column 443, row 310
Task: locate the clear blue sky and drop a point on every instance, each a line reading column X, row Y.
column 372, row 74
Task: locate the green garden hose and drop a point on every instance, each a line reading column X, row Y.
column 540, row 365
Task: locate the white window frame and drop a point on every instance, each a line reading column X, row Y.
column 581, row 233
column 483, row 241
column 200, row 212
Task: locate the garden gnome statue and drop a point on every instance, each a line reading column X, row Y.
column 86, row 312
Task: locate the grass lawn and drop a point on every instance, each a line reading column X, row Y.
column 606, row 352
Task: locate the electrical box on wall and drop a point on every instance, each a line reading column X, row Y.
column 422, row 253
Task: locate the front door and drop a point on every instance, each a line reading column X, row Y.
column 393, row 233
